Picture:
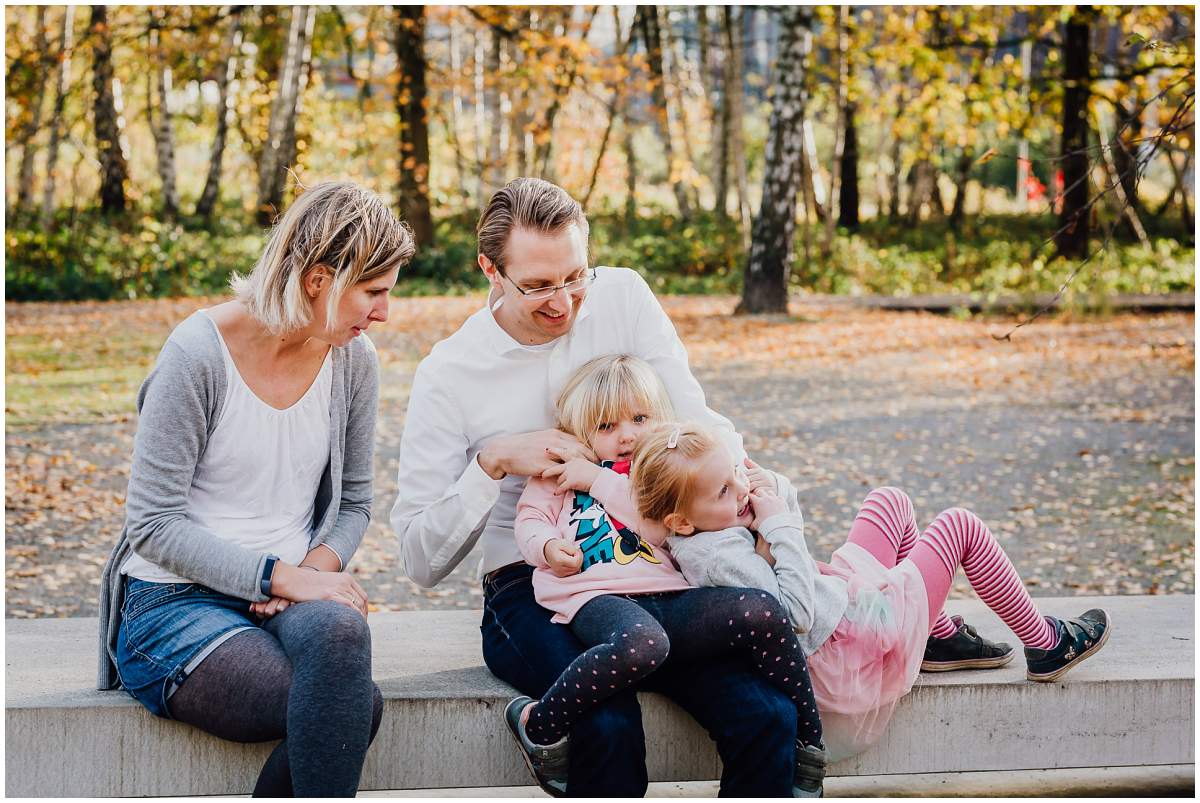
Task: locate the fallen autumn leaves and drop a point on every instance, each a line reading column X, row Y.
column 1074, row 441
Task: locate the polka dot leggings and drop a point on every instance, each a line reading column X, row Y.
column 632, row 636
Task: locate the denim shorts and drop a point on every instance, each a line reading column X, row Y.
column 167, row 629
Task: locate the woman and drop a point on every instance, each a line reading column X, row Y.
column 224, row 604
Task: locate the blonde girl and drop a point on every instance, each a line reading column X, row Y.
column 617, row 588
column 865, row 617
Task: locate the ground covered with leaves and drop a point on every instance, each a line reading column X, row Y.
column 1074, row 441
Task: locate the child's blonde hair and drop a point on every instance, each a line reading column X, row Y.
column 606, row 388
column 663, row 475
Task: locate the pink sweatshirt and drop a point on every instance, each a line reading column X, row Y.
column 615, row 559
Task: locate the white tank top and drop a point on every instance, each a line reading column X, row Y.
column 256, row 483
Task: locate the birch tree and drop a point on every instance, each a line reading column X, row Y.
column 765, row 284
column 274, row 161
column 62, row 81
column 225, row 74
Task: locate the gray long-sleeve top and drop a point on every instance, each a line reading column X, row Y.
column 179, row 406
column 814, row 602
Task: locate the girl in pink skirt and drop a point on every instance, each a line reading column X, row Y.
column 871, row 618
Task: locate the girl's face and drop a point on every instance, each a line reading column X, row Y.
column 721, row 495
column 614, row 440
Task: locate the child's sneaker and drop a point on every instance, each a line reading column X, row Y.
column 811, row 761
column 1077, row 639
column 547, row 762
column 966, row 649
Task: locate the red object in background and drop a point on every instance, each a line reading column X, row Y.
column 1035, row 190
column 1058, row 191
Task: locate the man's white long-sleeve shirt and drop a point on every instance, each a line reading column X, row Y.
column 480, row 384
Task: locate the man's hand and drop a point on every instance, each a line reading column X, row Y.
column 766, row 503
column 574, row 475
column 764, row 550
column 758, row 477
column 530, row 453
column 565, row 557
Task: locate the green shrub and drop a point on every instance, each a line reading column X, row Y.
column 85, row 256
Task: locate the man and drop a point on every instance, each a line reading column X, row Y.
column 480, row 421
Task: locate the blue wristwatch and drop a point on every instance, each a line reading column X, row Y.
column 264, row 584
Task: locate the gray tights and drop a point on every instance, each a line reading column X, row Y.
column 303, row 677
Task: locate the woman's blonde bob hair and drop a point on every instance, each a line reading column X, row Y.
column 662, row 476
column 607, row 388
column 335, row 224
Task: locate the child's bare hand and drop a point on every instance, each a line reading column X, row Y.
column 764, row 550
column 565, row 557
column 576, row 474
column 766, row 503
column 758, row 477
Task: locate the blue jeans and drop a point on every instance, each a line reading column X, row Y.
column 753, row 723
column 166, row 630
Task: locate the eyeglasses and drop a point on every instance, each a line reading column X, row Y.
column 572, row 287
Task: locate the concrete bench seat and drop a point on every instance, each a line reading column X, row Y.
column 442, row 723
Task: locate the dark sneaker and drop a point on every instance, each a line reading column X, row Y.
column 966, row 649
column 1077, row 640
column 810, row 771
column 547, row 762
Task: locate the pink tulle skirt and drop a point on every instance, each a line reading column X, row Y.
column 874, row 654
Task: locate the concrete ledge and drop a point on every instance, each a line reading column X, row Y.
column 1175, row 780
column 442, row 725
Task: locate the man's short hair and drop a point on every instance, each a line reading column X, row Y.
column 529, row 203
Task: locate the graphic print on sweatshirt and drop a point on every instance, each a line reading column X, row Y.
column 602, row 538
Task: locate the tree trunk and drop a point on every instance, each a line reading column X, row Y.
column 674, row 81
column 62, row 83
column 413, row 187
column 493, row 169
column 647, row 18
column 737, row 118
column 28, row 151
column 160, row 122
column 840, row 61
column 962, row 172
column 631, row 172
column 113, row 171
column 765, row 285
column 563, row 85
column 289, row 141
column 1126, row 199
column 1072, row 240
column 456, row 112
column 614, row 104
column 848, row 194
column 225, row 75
column 723, row 127
column 272, row 167
column 1124, row 145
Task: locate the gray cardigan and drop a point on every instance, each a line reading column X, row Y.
column 179, row 406
column 814, row 602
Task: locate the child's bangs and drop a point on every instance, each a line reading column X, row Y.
column 619, row 396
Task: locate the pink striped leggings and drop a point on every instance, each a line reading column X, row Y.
column 887, row 528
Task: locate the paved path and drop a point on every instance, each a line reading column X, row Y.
column 1075, row 442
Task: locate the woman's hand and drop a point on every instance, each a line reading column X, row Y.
column 576, row 474
column 766, row 503
column 530, row 453
column 296, row 584
column 565, row 557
